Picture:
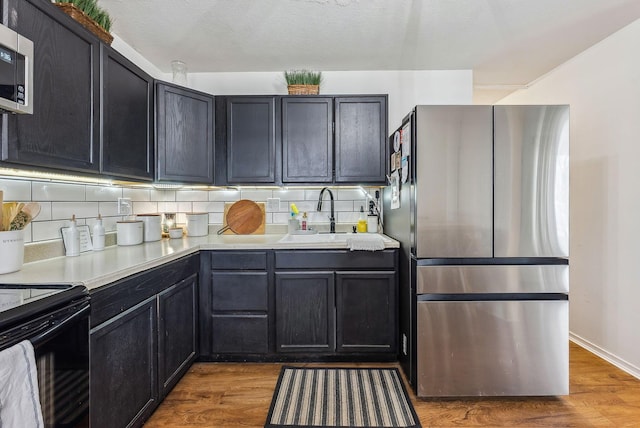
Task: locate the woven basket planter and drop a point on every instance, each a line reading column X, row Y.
column 86, row 22
column 303, row 89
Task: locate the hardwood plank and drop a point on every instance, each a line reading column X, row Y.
column 239, row 394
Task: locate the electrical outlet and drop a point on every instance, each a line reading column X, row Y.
column 124, row 206
column 273, row 204
column 404, row 344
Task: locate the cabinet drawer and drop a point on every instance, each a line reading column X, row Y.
column 239, row 291
column 339, row 259
column 239, row 260
column 240, row 334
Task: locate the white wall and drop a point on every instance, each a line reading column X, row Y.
column 405, row 88
column 602, row 85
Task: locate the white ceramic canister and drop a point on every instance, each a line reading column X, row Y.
column 12, row 250
column 197, row 224
column 130, row 232
column 152, row 226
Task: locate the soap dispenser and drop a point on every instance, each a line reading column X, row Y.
column 362, row 221
column 73, row 239
column 98, row 235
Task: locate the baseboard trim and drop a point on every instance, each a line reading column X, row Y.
column 605, row 355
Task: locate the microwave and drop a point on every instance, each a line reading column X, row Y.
column 16, row 72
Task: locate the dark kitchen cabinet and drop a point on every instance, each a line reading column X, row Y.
column 336, row 302
column 366, row 311
column 127, row 118
column 237, row 304
column 360, row 140
column 184, row 135
column 177, row 332
column 246, row 140
column 144, row 337
column 124, row 368
column 339, row 140
column 307, row 139
column 305, row 320
column 63, row 131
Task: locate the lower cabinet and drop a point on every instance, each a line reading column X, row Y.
column 124, row 368
column 344, row 312
column 298, row 304
column 140, row 349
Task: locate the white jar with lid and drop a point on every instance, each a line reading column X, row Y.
column 152, row 226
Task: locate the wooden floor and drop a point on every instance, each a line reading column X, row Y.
column 238, row 395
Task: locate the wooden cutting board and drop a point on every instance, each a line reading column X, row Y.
column 258, row 231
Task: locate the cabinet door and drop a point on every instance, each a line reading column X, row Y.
column 307, row 140
column 124, row 370
column 62, row 132
column 177, row 332
column 127, row 112
column 251, row 140
column 366, row 312
column 360, row 139
column 184, row 135
column 305, row 318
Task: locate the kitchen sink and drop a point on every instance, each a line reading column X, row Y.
column 327, row 237
column 318, row 237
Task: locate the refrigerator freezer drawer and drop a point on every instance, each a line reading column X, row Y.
column 468, row 279
column 493, row 348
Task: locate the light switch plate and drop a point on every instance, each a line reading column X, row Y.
column 273, row 204
column 124, row 206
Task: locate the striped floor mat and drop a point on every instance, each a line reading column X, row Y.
column 340, row 397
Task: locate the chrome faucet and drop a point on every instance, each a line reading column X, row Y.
column 332, row 219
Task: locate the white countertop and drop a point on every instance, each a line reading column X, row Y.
column 95, row 269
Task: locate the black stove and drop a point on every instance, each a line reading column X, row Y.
column 23, row 301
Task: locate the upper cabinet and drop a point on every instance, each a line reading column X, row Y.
column 63, row 131
column 250, row 140
column 127, row 118
column 184, row 135
column 360, row 139
column 307, row 140
column 301, row 140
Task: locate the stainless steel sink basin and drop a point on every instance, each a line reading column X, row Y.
column 316, row 238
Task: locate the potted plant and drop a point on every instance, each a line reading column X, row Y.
column 90, row 16
column 303, row 82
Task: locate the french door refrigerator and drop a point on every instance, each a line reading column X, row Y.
column 479, row 201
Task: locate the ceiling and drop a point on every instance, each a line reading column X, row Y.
column 504, row 42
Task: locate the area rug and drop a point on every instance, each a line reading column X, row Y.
column 340, row 397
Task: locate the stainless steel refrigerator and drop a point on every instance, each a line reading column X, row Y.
column 480, row 203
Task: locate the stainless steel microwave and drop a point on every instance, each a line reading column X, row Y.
column 16, row 72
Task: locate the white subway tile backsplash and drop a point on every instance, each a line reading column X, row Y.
column 167, row 207
column 64, row 210
column 108, row 209
column 192, row 195
column 208, row 207
column 289, row 194
column 15, row 190
column 137, row 195
column 349, row 194
column 45, row 230
column 49, row 191
column 103, row 193
column 224, row 195
column 59, row 201
column 256, row 195
column 144, row 207
column 185, row 207
column 163, row 195
column 45, row 211
column 216, row 218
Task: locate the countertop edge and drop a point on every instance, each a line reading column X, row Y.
column 97, row 269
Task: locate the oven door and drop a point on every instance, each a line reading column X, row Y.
column 61, row 348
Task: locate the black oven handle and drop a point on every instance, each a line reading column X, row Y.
column 45, row 335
